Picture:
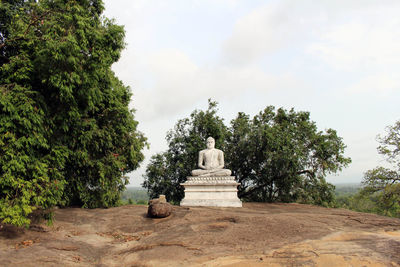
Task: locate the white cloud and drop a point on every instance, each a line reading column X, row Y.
column 380, row 85
column 179, row 84
column 345, row 34
column 370, row 40
column 262, row 30
column 366, row 44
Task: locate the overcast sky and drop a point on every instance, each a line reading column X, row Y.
column 339, row 60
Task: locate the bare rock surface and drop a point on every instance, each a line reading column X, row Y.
column 258, row 234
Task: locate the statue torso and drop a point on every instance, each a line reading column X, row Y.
column 211, row 158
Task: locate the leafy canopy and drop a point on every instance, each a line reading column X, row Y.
column 281, row 156
column 67, row 136
column 381, row 186
column 168, row 169
column 276, row 156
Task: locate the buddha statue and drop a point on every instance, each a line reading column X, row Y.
column 211, row 161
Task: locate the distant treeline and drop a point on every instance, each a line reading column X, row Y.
column 346, row 189
column 135, row 195
column 353, row 197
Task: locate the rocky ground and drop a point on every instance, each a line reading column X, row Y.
column 258, row 234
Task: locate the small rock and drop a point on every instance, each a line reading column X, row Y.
column 159, row 208
column 162, row 199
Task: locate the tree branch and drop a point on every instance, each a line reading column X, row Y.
column 310, row 173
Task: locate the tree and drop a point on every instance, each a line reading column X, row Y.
column 276, row 156
column 280, row 156
column 167, row 170
column 382, row 185
column 67, row 135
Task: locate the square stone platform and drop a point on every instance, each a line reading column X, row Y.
column 211, row 191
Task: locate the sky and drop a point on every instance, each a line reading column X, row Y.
column 339, row 60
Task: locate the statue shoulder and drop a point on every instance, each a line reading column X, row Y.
column 202, row 151
column 219, row 151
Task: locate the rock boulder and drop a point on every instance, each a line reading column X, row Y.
column 159, row 208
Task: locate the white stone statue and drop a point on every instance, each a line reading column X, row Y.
column 211, row 161
column 211, row 185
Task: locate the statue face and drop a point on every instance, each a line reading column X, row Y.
column 210, row 143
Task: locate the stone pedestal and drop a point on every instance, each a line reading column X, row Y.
column 211, row 191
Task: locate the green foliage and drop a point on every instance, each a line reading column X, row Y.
column 276, row 156
column 134, row 195
column 346, row 189
column 380, row 192
column 167, row 170
column 390, row 144
column 280, row 156
column 363, row 200
column 344, row 194
column 30, row 175
column 381, row 186
column 67, row 134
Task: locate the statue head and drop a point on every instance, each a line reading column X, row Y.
column 210, row 143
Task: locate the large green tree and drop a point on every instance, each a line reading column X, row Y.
column 67, row 135
column 276, row 156
column 281, row 156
